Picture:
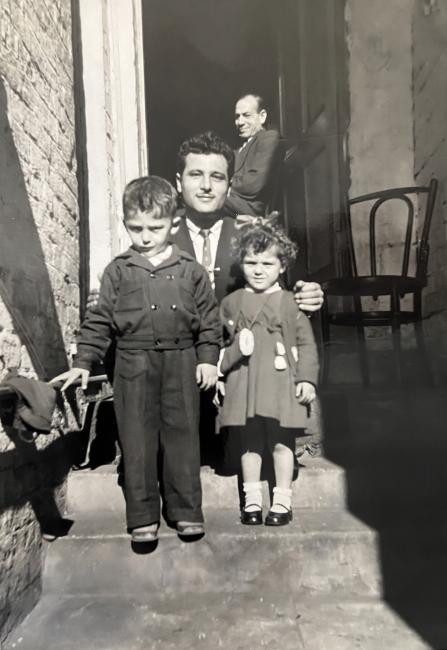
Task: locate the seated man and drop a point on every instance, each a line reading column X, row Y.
column 255, row 160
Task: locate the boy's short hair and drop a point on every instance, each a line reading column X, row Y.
column 150, row 194
column 206, row 143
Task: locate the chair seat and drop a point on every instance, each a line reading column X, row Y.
column 372, row 285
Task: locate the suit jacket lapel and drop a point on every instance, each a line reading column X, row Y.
column 182, row 238
column 224, row 246
column 241, row 156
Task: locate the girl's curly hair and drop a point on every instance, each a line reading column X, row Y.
column 259, row 238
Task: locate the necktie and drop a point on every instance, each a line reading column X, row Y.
column 206, row 254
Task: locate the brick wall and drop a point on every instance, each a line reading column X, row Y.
column 430, row 137
column 39, row 285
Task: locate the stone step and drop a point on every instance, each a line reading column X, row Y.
column 241, row 621
column 321, row 552
column 320, row 484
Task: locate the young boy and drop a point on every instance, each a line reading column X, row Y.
column 156, row 303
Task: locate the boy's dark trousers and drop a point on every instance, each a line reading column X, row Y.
column 157, row 407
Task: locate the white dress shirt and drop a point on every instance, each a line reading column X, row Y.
column 198, row 242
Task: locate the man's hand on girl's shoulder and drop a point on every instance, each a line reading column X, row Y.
column 308, row 295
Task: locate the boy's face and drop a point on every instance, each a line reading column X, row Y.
column 262, row 270
column 149, row 234
column 204, row 181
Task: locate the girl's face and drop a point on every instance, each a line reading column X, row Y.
column 262, row 270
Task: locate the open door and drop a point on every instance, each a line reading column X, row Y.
column 314, row 121
column 201, row 56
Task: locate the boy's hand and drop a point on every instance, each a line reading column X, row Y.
column 71, row 376
column 206, row 375
column 308, row 295
column 305, row 392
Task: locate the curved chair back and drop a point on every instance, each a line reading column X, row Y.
column 379, row 199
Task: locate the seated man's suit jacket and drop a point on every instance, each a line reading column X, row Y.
column 255, row 169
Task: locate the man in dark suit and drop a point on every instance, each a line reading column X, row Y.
column 205, row 165
column 256, row 161
column 204, row 170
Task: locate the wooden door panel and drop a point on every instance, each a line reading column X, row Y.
column 314, row 119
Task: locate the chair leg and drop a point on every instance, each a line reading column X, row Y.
column 423, row 354
column 363, row 354
column 397, row 351
column 325, row 343
column 361, row 342
column 396, row 333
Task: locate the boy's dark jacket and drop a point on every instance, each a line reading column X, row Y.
column 146, row 307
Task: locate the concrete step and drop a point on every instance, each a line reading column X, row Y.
column 322, row 551
column 240, row 621
column 320, row 484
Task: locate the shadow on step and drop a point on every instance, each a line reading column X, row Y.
column 393, row 446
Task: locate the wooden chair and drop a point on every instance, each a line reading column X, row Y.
column 377, row 284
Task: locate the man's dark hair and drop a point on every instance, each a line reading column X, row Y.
column 259, row 99
column 150, row 194
column 206, row 143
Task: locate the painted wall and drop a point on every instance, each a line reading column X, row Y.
column 430, row 138
column 380, row 142
column 113, row 88
column 39, row 286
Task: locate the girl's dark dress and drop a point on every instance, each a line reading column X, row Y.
column 253, row 386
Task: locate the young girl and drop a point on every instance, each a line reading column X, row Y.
column 270, row 369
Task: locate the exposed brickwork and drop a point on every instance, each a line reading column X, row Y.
column 37, row 139
column 430, row 109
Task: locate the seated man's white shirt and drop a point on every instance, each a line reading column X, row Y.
column 198, row 243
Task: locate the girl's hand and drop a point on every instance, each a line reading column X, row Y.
column 220, row 393
column 71, row 376
column 206, row 375
column 308, row 295
column 305, row 392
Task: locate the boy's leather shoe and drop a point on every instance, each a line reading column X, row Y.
column 278, row 518
column 253, row 518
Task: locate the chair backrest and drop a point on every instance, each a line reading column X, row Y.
column 378, row 199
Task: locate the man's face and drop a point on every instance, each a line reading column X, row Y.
column 149, row 234
column 247, row 118
column 204, row 181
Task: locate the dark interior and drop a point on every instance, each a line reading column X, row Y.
column 199, row 58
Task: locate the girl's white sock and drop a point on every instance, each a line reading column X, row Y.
column 282, row 500
column 253, row 496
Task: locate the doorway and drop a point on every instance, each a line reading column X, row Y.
column 201, row 55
